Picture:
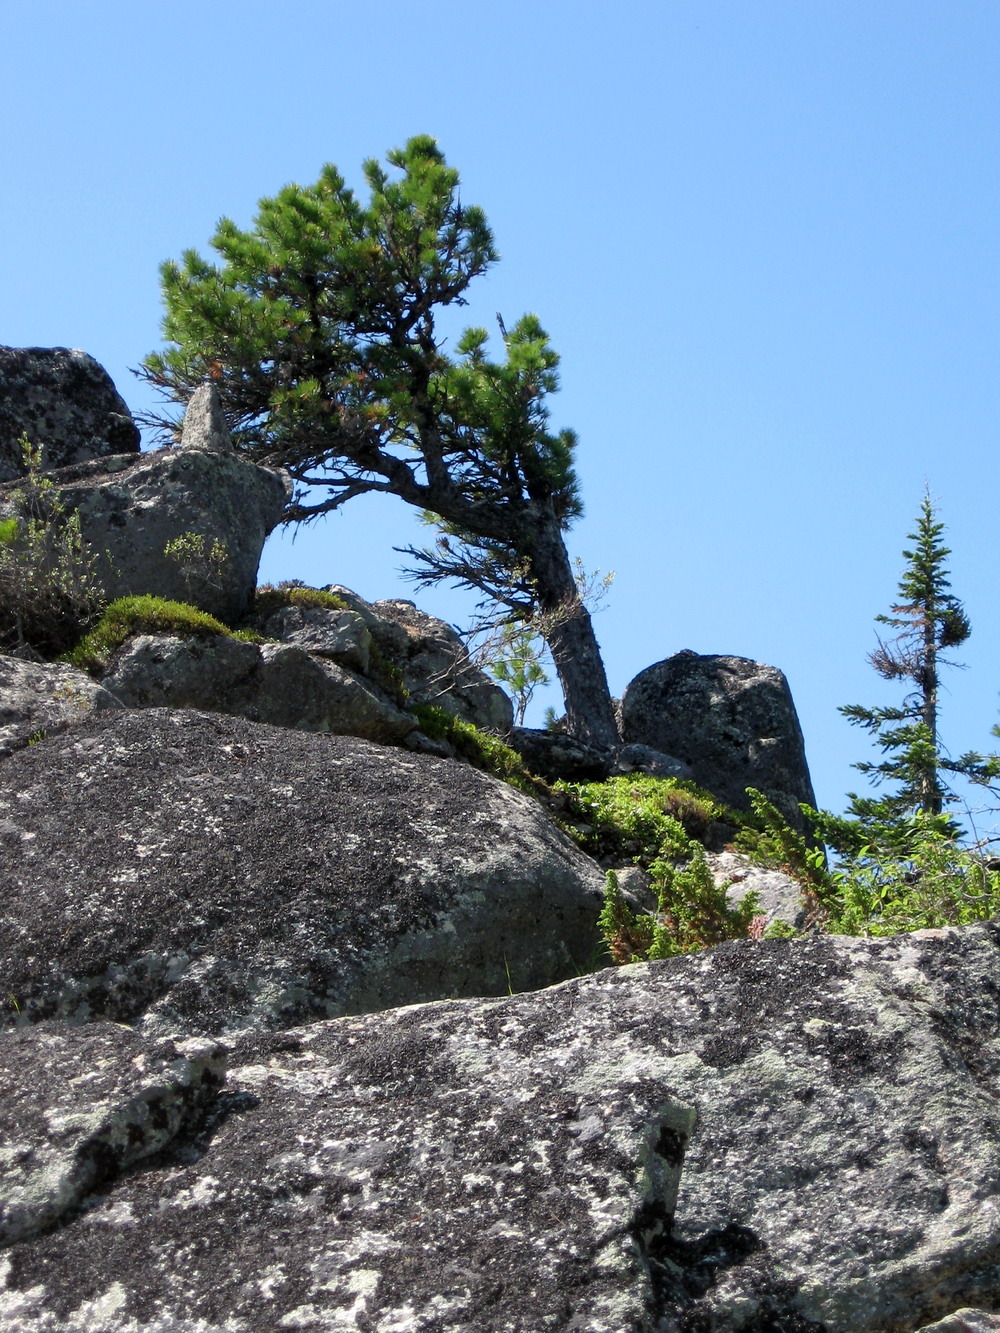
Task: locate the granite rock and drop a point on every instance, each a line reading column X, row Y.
column 195, row 873
column 766, row 1136
column 731, row 719
column 65, row 402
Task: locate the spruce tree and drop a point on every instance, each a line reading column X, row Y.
column 926, row 620
column 319, row 327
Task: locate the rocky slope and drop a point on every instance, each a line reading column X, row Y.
column 218, row 888
column 780, row 1136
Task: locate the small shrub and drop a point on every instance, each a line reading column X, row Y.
column 922, row 878
column 200, row 565
column 656, row 823
column 692, row 913
column 770, row 841
column 49, row 593
column 142, row 615
column 937, row 882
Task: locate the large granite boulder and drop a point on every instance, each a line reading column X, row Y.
column 278, row 683
column 196, row 873
column 780, row 1136
column 65, row 402
column 731, row 719
column 39, row 699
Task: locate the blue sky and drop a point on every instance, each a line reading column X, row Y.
column 761, row 233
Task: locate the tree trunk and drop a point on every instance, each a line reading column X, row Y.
column 569, row 633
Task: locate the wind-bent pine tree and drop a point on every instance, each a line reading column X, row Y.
column 318, row 326
column 927, row 620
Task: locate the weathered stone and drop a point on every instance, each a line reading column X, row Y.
column 64, row 402
column 731, row 719
column 313, row 694
column 511, row 1165
column 200, row 873
column 276, row 683
column 556, row 755
column 781, row 897
column 342, row 635
column 965, row 1321
column 204, row 424
column 38, row 699
column 129, row 513
column 63, row 1137
column 644, row 759
column 391, row 638
column 438, row 670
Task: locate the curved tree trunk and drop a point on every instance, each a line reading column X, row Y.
column 569, row 633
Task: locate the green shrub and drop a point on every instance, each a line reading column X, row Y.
column 693, row 912
column 200, row 565
column 49, row 593
column 922, row 878
column 634, row 818
column 938, row 882
column 770, row 841
column 143, row 615
column 656, row 823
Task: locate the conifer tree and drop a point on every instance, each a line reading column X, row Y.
column 319, row 327
column 927, row 619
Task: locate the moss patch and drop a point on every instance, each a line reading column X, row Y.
column 144, row 615
column 637, row 818
column 271, row 597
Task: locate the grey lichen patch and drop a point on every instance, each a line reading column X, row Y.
column 582, row 1158
column 64, row 1135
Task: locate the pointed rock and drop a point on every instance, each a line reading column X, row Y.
column 204, row 425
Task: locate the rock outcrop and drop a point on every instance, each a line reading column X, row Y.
column 39, row 699
column 131, row 505
column 731, row 719
column 281, row 684
column 437, row 669
column 65, row 403
column 766, row 1136
column 200, row 874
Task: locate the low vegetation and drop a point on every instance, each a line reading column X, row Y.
column 144, row 615
column 479, row 748
column 49, row 594
column 271, row 597
column 659, row 825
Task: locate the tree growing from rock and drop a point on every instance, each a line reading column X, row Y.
column 319, row 325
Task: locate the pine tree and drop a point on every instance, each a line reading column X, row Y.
column 318, row 325
column 927, row 619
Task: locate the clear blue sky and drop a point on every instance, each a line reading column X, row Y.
column 762, row 233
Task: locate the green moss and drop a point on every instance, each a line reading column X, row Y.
column 142, row 615
column 271, row 597
column 479, row 748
